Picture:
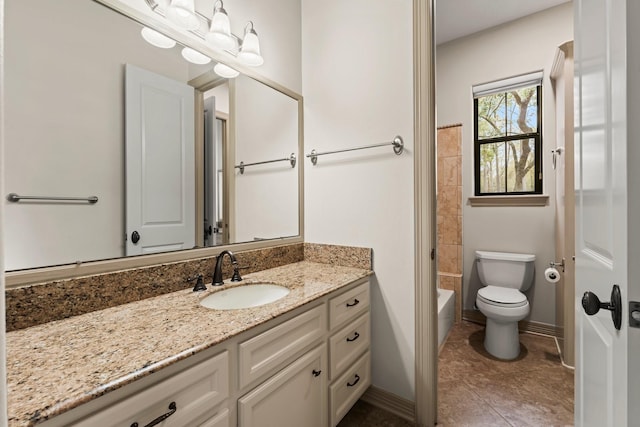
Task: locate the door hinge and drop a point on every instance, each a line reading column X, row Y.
column 433, row 253
column 634, row 314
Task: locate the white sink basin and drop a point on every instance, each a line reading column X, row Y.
column 245, row 296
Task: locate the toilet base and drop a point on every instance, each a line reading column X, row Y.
column 501, row 339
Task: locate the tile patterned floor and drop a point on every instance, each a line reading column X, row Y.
column 365, row 415
column 476, row 389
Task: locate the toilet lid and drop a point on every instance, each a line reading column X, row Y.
column 504, row 296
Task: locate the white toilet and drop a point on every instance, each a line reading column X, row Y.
column 504, row 276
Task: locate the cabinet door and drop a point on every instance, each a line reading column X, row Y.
column 294, row 397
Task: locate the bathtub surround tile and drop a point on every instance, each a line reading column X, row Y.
column 346, row 256
column 447, row 201
column 448, row 258
column 533, row 390
column 457, row 288
column 448, row 230
column 448, row 172
column 445, row 281
column 448, row 140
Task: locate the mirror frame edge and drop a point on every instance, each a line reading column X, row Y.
column 34, row 276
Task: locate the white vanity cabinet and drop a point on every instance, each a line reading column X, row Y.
column 349, row 343
column 294, row 397
column 303, row 368
column 298, row 395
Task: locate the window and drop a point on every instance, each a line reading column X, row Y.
column 508, row 129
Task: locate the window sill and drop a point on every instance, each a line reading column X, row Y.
column 515, row 200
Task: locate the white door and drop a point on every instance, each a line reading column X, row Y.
column 210, row 171
column 160, row 165
column 601, row 210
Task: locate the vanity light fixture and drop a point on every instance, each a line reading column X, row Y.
column 250, row 49
column 225, row 71
column 194, row 56
column 219, row 33
column 157, row 39
column 183, row 13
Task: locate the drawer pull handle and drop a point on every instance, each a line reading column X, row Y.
column 355, row 337
column 172, row 410
column 354, row 303
column 316, row 373
column 355, row 382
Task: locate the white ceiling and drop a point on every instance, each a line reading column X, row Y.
column 459, row 18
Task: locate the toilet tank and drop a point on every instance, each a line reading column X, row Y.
column 507, row 270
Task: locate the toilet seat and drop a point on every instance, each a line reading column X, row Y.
column 505, row 297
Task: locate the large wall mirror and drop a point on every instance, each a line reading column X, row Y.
column 92, row 109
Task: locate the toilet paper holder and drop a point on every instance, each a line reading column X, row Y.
column 557, row 264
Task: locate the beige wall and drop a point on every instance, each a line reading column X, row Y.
column 358, row 89
column 519, row 47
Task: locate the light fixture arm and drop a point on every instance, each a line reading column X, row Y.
column 247, row 29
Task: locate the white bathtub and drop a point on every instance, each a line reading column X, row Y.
column 446, row 313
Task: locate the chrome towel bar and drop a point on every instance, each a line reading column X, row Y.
column 397, row 143
column 291, row 159
column 13, row 197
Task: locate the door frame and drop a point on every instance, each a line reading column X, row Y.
column 426, row 326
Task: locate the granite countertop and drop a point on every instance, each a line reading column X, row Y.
column 57, row 366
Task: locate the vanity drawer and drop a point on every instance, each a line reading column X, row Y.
column 349, row 343
column 349, row 305
column 195, row 391
column 269, row 351
column 347, row 389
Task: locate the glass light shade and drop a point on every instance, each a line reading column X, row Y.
column 194, row 56
column 157, row 39
column 183, row 13
column 225, row 71
column 250, row 49
column 220, row 31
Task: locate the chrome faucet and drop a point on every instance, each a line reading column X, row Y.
column 217, row 271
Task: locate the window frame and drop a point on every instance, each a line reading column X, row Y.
column 536, row 136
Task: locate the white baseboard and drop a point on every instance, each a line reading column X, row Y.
column 391, row 403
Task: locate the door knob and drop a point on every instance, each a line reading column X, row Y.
column 135, row 237
column 591, row 305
